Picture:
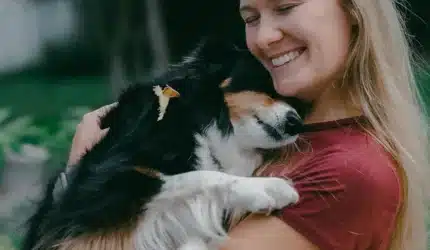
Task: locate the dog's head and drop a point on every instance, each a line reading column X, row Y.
column 261, row 118
column 216, row 86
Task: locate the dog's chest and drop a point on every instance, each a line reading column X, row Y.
column 217, row 153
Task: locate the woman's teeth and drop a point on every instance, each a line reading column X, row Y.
column 281, row 60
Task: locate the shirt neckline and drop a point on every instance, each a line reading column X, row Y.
column 321, row 126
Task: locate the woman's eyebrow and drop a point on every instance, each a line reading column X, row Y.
column 246, row 7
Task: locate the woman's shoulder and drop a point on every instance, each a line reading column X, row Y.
column 352, row 156
column 356, row 169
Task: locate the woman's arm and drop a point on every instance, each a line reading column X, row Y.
column 260, row 232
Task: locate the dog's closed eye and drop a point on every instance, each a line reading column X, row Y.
column 246, row 103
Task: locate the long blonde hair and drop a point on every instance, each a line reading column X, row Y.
column 379, row 78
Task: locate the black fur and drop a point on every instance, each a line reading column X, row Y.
column 105, row 192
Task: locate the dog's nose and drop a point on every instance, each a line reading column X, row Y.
column 293, row 123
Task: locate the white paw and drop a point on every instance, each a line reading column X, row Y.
column 257, row 194
column 194, row 244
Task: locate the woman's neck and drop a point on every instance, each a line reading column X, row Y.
column 330, row 106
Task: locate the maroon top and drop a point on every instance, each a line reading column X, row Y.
column 349, row 189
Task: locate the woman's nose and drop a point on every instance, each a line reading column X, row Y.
column 268, row 33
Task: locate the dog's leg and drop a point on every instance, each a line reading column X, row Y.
column 250, row 193
column 191, row 205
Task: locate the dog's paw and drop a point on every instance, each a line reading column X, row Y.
column 263, row 194
column 194, row 244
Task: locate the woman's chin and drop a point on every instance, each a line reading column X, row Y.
column 304, row 89
column 287, row 87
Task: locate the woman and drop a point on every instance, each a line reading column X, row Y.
column 359, row 170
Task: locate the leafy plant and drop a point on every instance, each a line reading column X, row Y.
column 14, row 130
column 59, row 141
column 6, row 243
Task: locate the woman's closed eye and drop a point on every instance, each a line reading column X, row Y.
column 251, row 19
column 284, row 9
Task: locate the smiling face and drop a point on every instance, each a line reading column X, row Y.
column 302, row 43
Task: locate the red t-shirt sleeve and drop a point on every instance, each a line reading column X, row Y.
column 348, row 199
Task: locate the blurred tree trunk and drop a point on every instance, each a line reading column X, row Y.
column 130, row 35
column 117, row 76
column 157, row 36
column 147, row 33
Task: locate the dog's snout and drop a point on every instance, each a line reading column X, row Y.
column 293, row 123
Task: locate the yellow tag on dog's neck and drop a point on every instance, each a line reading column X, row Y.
column 164, row 96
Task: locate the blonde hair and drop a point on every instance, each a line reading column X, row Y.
column 379, row 78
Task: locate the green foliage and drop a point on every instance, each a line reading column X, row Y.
column 13, row 130
column 428, row 229
column 59, row 141
column 6, row 243
column 16, row 131
column 423, row 81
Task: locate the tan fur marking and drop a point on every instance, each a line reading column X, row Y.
column 148, row 172
column 269, row 102
column 225, row 83
column 119, row 240
column 246, row 103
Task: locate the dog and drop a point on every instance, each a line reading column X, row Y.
column 177, row 161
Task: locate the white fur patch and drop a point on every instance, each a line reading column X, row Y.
column 191, row 206
column 249, row 134
column 163, row 102
column 194, row 244
column 164, row 96
column 232, row 157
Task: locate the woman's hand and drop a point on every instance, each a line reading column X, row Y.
column 88, row 133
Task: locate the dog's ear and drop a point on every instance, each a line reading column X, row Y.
column 211, row 61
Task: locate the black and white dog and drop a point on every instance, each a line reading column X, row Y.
column 178, row 157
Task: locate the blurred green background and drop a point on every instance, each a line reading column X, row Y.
column 62, row 58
